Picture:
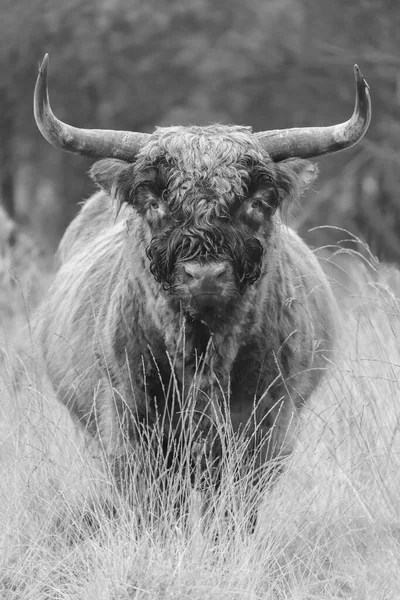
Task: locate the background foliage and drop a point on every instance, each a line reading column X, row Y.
column 132, row 64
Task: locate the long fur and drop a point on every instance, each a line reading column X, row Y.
column 113, row 331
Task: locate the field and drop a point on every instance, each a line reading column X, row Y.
column 329, row 528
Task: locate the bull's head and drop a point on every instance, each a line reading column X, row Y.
column 204, row 197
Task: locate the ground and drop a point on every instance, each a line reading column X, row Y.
column 329, row 528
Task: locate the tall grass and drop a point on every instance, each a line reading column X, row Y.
column 329, row 527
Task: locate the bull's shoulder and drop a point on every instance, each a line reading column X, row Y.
column 307, row 299
column 290, row 326
column 297, row 263
column 294, row 303
column 96, row 216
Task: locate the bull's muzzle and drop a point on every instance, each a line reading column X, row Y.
column 206, row 283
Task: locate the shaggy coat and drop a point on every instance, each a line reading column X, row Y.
column 119, row 332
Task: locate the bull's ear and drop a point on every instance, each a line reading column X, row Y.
column 293, row 177
column 114, row 176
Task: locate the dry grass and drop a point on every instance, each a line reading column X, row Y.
column 329, row 528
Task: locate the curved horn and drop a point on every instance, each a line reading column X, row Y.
column 95, row 143
column 308, row 142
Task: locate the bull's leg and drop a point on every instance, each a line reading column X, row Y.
column 146, row 461
column 273, row 443
column 276, row 436
column 265, row 437
column 116, row 434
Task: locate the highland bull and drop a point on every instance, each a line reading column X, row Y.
column 180, row 279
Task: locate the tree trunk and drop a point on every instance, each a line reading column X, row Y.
column 7, row 187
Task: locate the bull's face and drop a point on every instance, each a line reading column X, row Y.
column 205, row 199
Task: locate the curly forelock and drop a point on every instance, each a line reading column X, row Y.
column 213, row 162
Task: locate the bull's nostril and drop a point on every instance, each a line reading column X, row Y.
column 220, row 270
column 189, row 271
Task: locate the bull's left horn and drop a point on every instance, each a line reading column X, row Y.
column 308, row 142
column 94, row 143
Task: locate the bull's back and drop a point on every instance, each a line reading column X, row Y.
column 96, row 216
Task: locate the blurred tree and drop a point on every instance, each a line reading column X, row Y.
column 6, row 152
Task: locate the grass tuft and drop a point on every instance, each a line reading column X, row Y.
column 329, row 527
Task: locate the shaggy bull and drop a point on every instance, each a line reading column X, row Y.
column 179, row 280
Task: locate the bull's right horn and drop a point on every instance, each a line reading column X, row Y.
column 94, row 143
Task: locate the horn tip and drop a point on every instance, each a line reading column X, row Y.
column 44, row 64
column 359, row 77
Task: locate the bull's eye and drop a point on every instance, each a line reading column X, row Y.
column 256, row 203
column 154, row 205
